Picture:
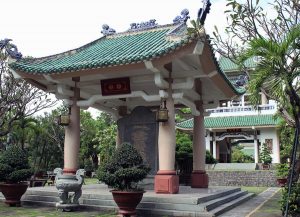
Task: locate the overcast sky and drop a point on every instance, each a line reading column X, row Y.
column 44, row 27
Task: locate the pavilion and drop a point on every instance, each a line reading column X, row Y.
column 143, row 66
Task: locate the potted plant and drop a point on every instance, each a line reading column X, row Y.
column 123, row 172
column 282, row 172
column 265, row 156
column 14, row 172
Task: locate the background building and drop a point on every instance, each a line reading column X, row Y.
column 236, row 122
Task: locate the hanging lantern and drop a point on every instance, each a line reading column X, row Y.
column 63, row 120
column 162, row 113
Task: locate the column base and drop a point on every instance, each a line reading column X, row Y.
column 166, row 182
column 199, row 179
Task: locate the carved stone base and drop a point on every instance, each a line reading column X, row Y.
column 199, row 179
column 166, row 182
column 69, row 189
column 67, row 207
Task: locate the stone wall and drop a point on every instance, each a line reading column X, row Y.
column 242, row 178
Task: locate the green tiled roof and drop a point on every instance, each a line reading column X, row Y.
column 118, row 49
column 227, row 65
column 232, row 121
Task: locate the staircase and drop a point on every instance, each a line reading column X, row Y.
column 208, row 205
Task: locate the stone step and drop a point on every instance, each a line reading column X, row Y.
column 171, row 213
column 230, row 205
column 217, row 195
column 210, row 205
column 196, row 205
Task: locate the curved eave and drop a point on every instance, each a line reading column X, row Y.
column 157, row 61
column 110, row 51
column 237, row 91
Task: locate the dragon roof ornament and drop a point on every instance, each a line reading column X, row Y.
column 106, row 30
column 183, row 18
column 10, row 49
column 143, row 25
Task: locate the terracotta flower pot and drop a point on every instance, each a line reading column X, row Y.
column 281, row 181
column 127, row 201
column 13, row 193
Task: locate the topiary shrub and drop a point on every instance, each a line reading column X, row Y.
column 265, row 156
column 14, row 165
column 124, row 170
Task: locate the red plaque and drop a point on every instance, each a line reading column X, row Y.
column 115, row 86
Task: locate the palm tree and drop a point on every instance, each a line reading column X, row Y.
column 277, row 75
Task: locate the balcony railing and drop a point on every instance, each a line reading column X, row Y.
column 242, row 109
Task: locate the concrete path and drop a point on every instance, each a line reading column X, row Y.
column 249, row 207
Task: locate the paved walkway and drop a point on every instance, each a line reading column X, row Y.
column 249, row 207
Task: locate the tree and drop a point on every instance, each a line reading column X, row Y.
column 18, row 98
column 106, row 135
column 88, row 143
column 274, row 41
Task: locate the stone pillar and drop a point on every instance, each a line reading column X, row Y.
column 199, row 176
column 72, row 137
column 166, row 181
column 255, row 150
column 214, row 145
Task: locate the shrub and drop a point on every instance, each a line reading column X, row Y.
column 124, row 170
column 282, row 170
column 265, row 156
column 294, row 200
column 14, row 165
column 209, row 159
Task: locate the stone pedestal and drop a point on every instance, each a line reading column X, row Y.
column 166, row 182
column 199, row 179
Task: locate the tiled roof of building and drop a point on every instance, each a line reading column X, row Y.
column 231, row 121
column 227, row 65
column 117, row 49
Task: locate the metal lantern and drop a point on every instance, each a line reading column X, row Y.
column 162, row 113
column 63, row 120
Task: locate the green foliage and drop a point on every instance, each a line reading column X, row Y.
column 209, row 159
column 46, row 141
column 105, row 136
column 282, row 170
column 124, row 170
column 238, row 156
column 294, row 200
column 265, row 156
column 14, row 165
column 196, row 28
column 184, row 143
column 286, row 136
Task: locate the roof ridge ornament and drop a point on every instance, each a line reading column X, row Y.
column 204, row 11
column 143, row 25
column 11, row 49
column 106, row 30
column 183, row 18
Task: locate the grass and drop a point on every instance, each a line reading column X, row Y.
column 254, row 189
column 37, row 211
column 89, row 181
column 271, row 208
